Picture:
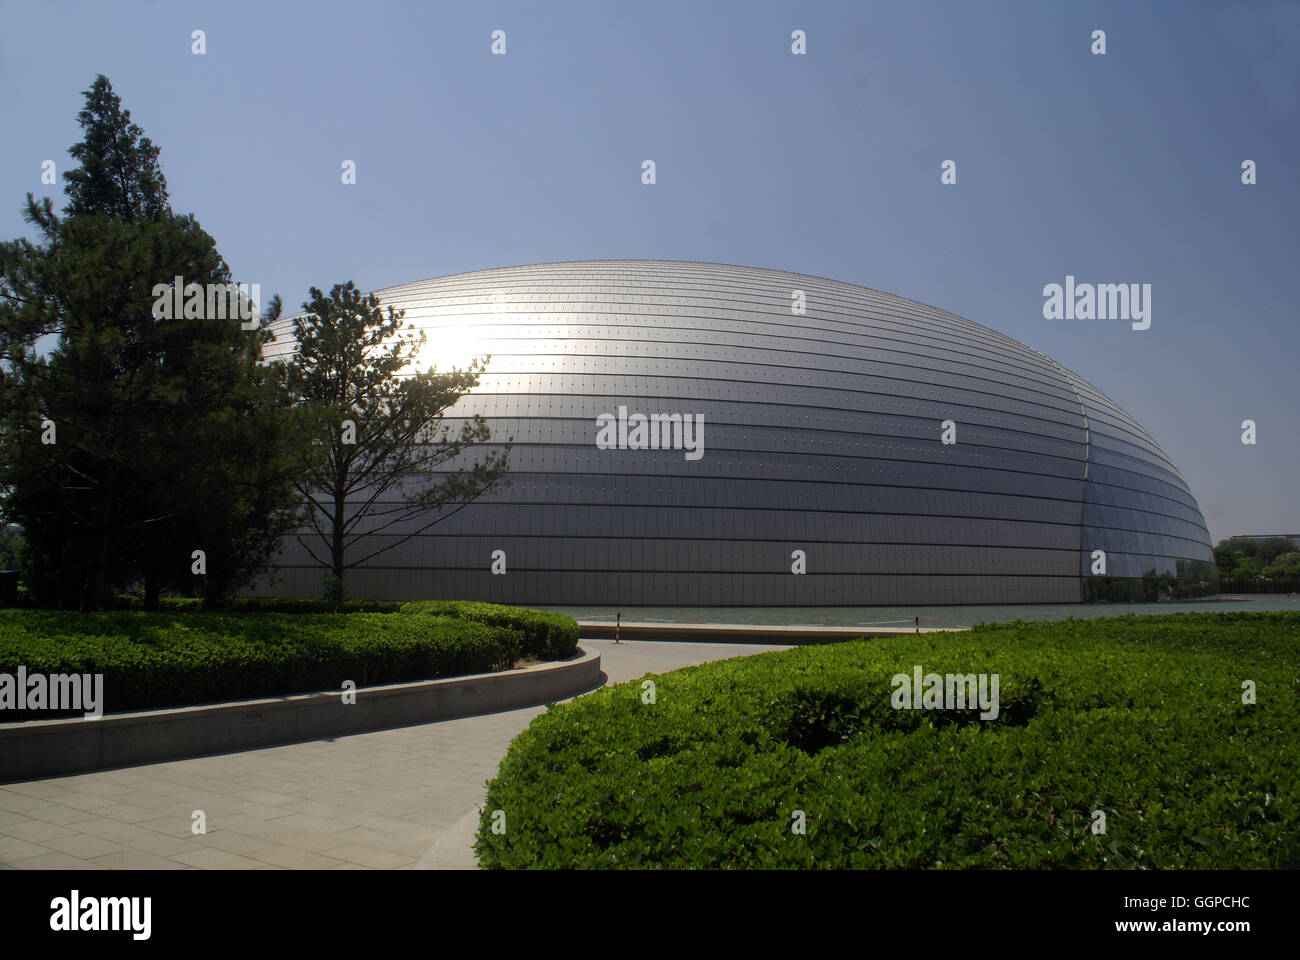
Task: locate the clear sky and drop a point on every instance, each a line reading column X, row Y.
column 1122, row 168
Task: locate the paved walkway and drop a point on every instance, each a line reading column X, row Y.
column 405, row 798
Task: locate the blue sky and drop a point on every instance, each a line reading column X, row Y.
column 1117, row 168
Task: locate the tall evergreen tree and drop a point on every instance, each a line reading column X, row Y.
column 118, row 176
column 139, row 438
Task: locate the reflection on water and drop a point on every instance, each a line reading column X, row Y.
column 930, row 616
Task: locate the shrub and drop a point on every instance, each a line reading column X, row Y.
column 263, row 605
column 333, row 591
column 167, row 659
column 547, row 635
column 1138, row 717
column 304, row 605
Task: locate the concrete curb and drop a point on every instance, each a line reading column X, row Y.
column 44, row 748
column 741, row 633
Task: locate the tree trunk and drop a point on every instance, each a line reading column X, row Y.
column 93, row 593
column 213, row 591
column 336, row 544
column 151, row 591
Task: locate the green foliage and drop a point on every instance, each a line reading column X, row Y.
column 1240, row 558
column 1139, row 717
column 1284, row 565
column 333, row 593
column 265, row 605
column 167, row 659
column 118, row 174
column 390, row 463
column 1246, row 567
column 547, row 635
column 11, row 547
column 169, row 434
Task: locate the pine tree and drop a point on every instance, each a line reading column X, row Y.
column 169, row 435
column 118, row 176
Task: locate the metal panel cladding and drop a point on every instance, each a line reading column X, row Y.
column 822, row 445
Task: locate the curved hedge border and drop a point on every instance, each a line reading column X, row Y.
column 1139, row 717
column 172, row 659
column 547, row 635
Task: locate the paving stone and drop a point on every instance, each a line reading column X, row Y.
column 129, row 812
column 41, row 789
column 293, row 859
column 57, row 813
column 19, row 802
column 107, row 829
column 212, row 859
column 56, row 861
column 13, row 849
column 37, row 831
column 138, row 860
column 311, row 824
column 161, row 844
column 85, row 846
column 368, row 856
column 105, row 785
column 231, row 842
column 10, row 816
column 90, row 802
column 299, row 839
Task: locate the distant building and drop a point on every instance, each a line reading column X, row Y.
column 1293, row 538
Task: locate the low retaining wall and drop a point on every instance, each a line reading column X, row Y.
column 43, row 748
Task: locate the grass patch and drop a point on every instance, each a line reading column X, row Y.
column 1138, row 717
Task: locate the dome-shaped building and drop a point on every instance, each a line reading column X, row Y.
column 682, row 429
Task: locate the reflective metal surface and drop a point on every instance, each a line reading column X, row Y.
column 822, row 433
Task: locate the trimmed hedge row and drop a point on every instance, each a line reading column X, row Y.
column 547, row 635
column 264, row 605
column 170, row 659
column 1141, row 718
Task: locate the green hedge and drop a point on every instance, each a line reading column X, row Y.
column 168, row 659
column 1139, row 717
column 547, row 635
column 264, row 605
column 300, row 605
